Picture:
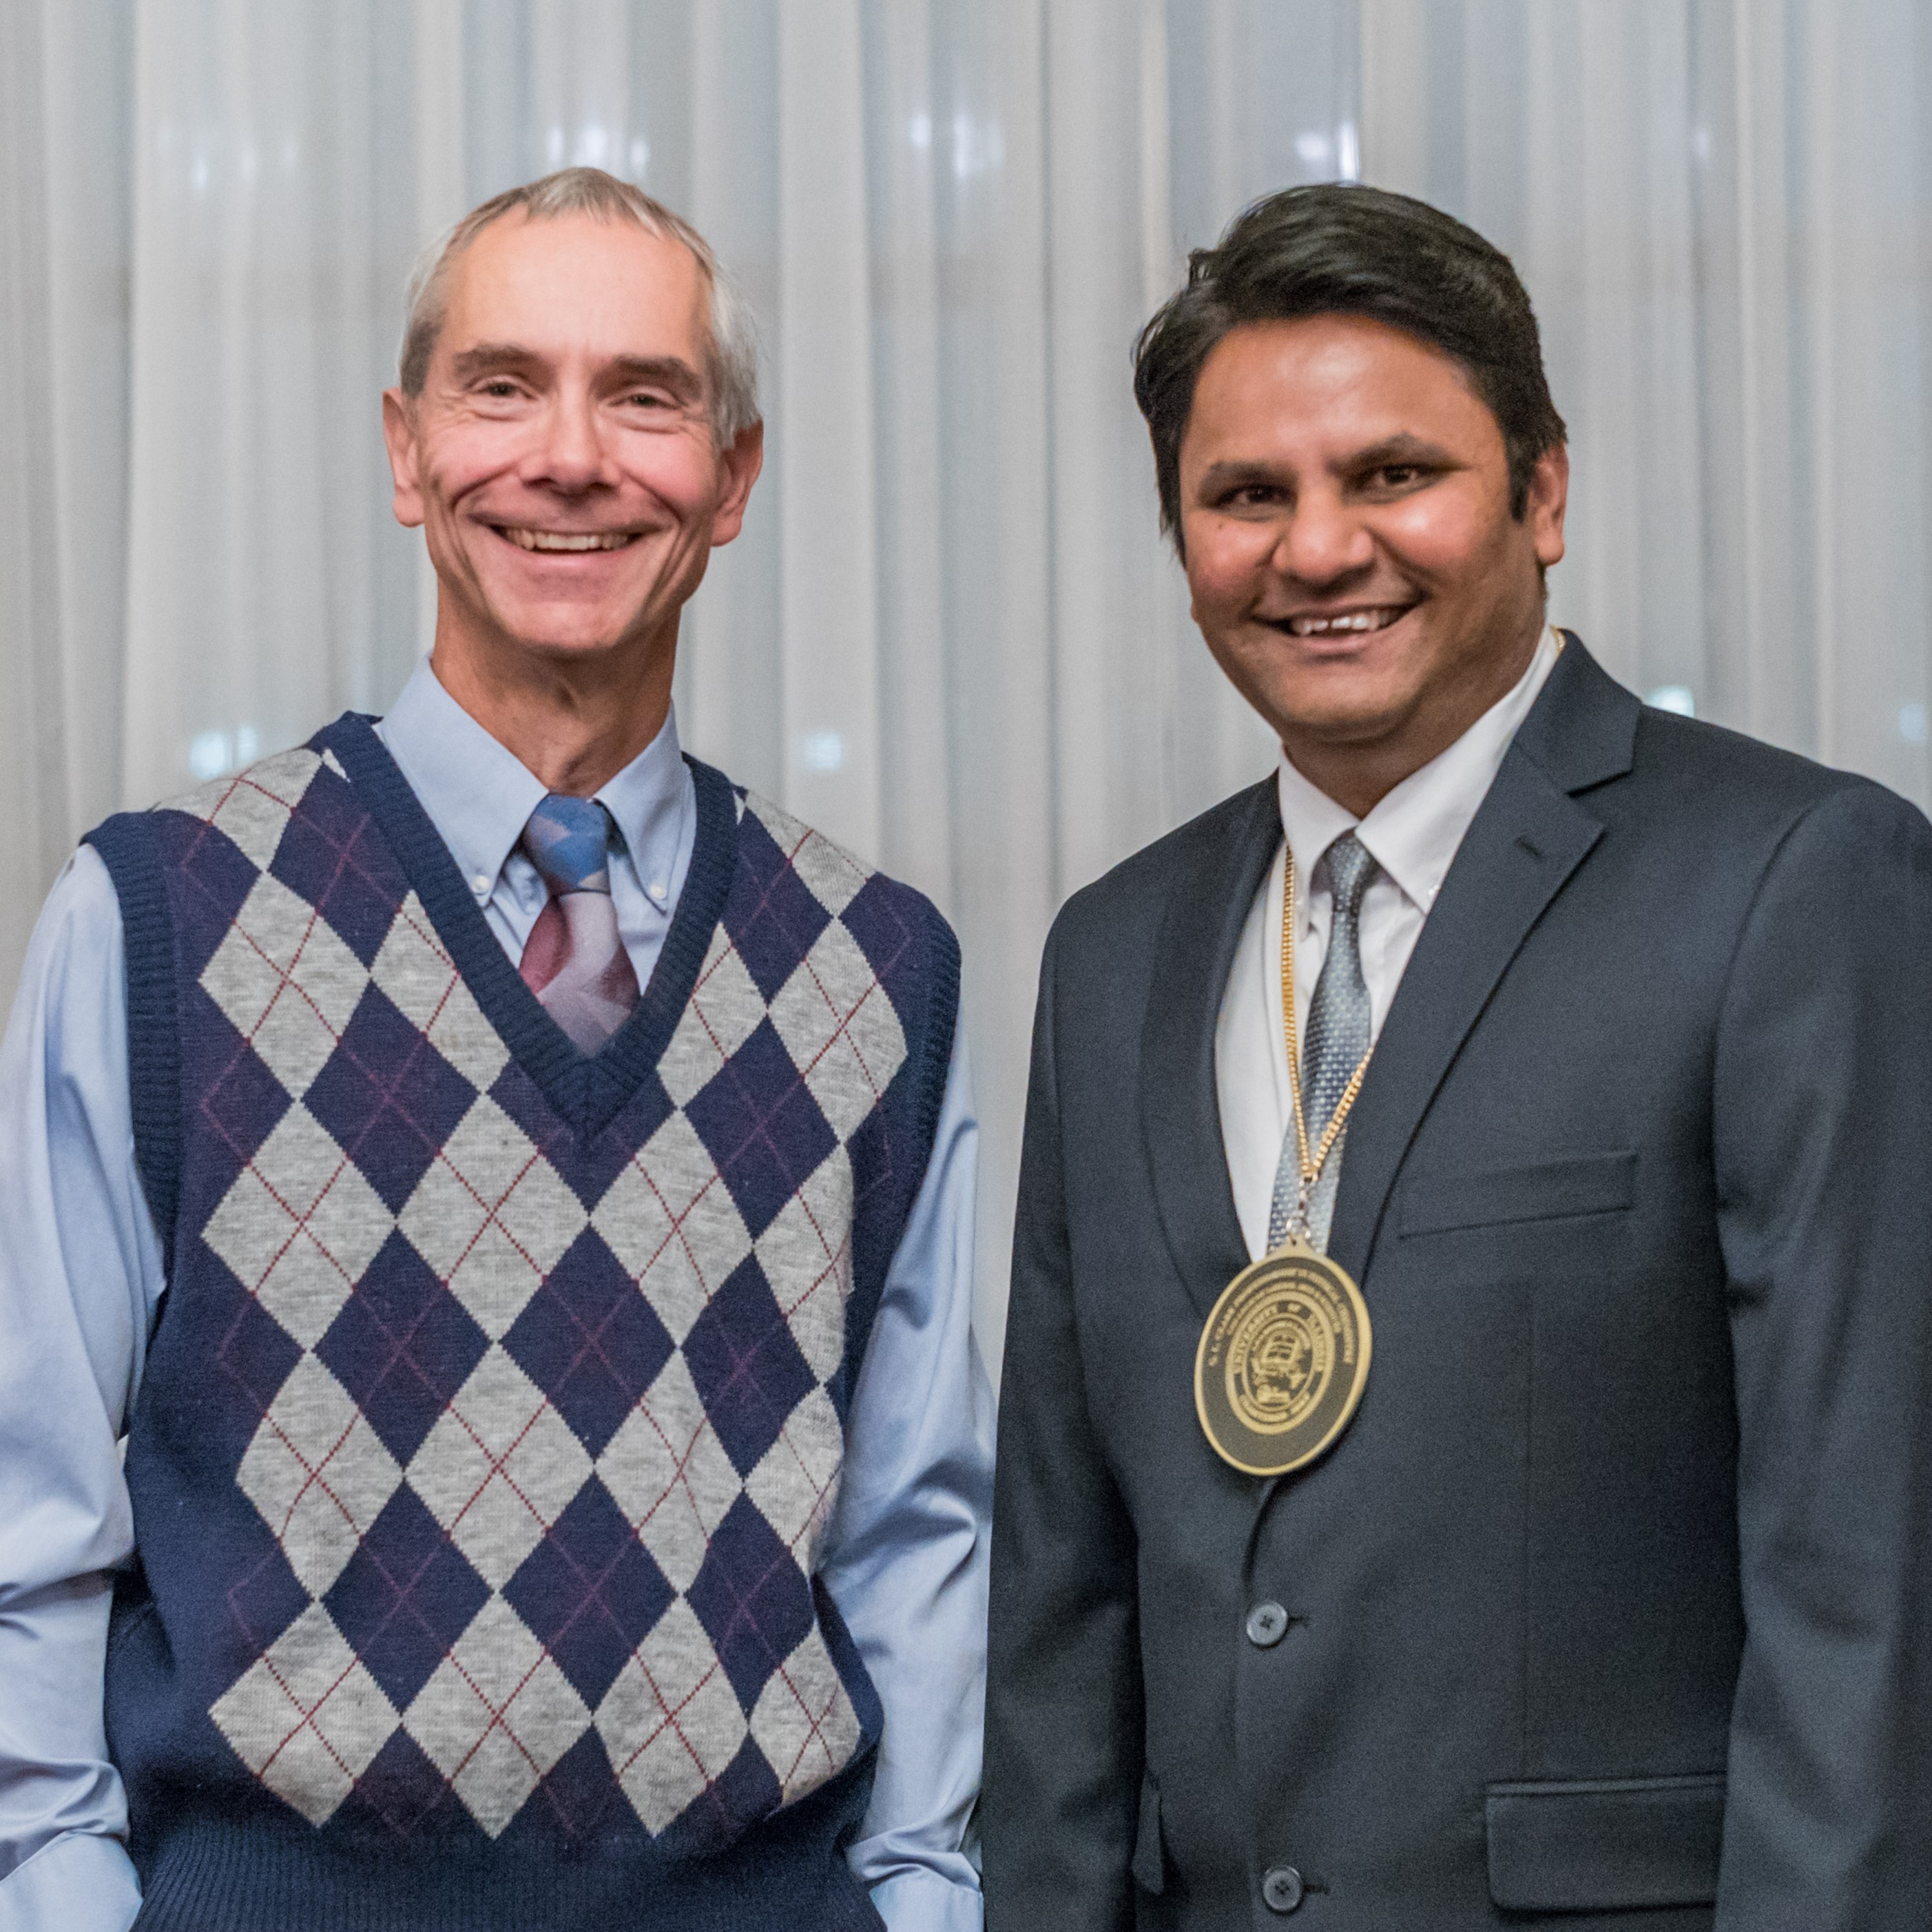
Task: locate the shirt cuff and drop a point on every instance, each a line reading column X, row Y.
column 81, row 1881
column 922, row 1901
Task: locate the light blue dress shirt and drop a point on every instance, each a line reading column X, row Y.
column 80, row 1278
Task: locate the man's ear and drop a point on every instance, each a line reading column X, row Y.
column 741, row 462
column 1548, row 498
column 399, row 434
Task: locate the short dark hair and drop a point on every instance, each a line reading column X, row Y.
column 1339, row 249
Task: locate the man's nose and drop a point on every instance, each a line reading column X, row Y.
column 572, row 453
column 1323, row 540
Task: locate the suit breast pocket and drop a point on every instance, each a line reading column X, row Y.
column 1563, row 1188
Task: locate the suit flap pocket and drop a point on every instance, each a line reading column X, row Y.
column 1150, row 1865
column 1605, row 1845
column 1591, row 1183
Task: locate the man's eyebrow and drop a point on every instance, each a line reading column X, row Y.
column 1231, row 472
column 1404, row 447
column 485, row 356
column 669, row 372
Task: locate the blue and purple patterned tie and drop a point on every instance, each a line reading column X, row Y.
column 574, row 960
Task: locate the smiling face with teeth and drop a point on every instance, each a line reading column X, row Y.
column 562, row 463
column 1353, row 563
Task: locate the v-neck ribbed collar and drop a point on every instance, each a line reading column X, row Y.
column 479, row 795
column 585, row 1090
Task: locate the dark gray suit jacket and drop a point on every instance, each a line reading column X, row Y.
column 1616, row 1600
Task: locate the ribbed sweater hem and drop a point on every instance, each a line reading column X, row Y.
column 210, row 1875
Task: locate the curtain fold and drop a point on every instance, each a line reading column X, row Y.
column 32, row 606
column 950, row 634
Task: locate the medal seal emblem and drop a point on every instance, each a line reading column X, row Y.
column 1281, row 1362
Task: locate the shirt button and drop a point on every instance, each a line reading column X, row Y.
column 656, row 888
column 481, row 883
column 1281, row 1888
column 1268, row 1624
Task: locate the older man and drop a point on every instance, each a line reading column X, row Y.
column 1463, row 1449
column 514, row 1201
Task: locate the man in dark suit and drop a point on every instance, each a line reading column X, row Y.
column 1612, row 1604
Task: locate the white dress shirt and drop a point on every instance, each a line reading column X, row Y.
column 904, row 1556
column 1412, row 833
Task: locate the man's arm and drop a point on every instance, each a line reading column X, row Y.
column 905, row 1555
column 1823, row 1145
column 1064, row 1714
column 79, row 1268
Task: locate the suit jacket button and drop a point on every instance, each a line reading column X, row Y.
column 1281, row 1888
column 1268, row 1624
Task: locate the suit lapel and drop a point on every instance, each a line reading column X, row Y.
column 1180, row 1113
column 1529, row 835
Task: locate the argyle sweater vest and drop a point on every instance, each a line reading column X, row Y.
column 496, row 1408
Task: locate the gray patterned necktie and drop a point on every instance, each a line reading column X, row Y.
column 1337, row 1038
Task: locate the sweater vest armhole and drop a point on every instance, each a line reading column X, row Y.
column 934, row 1056
column 126, row 844
column 928, row 1064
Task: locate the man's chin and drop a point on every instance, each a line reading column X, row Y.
column 563, row 632
column 1340, row 719
column 565, row 647
column 570, row 634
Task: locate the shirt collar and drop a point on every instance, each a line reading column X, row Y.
column 651, row 800
column 479, row 794
column 1413, row 832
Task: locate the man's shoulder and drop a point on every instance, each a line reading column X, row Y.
column 250, row 805
column 282, row 778
column 897, row 926
column 1133, row 896
column 1732, row 784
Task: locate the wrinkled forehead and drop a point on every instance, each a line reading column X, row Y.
column 577, row 286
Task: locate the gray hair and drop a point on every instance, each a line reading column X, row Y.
column 733, row 352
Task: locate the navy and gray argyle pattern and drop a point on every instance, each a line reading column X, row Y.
column 517, row 1438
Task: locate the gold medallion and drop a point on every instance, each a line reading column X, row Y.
column 1281, row 1362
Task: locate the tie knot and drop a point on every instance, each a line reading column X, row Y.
column 1350, row 864
column 568, row 841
